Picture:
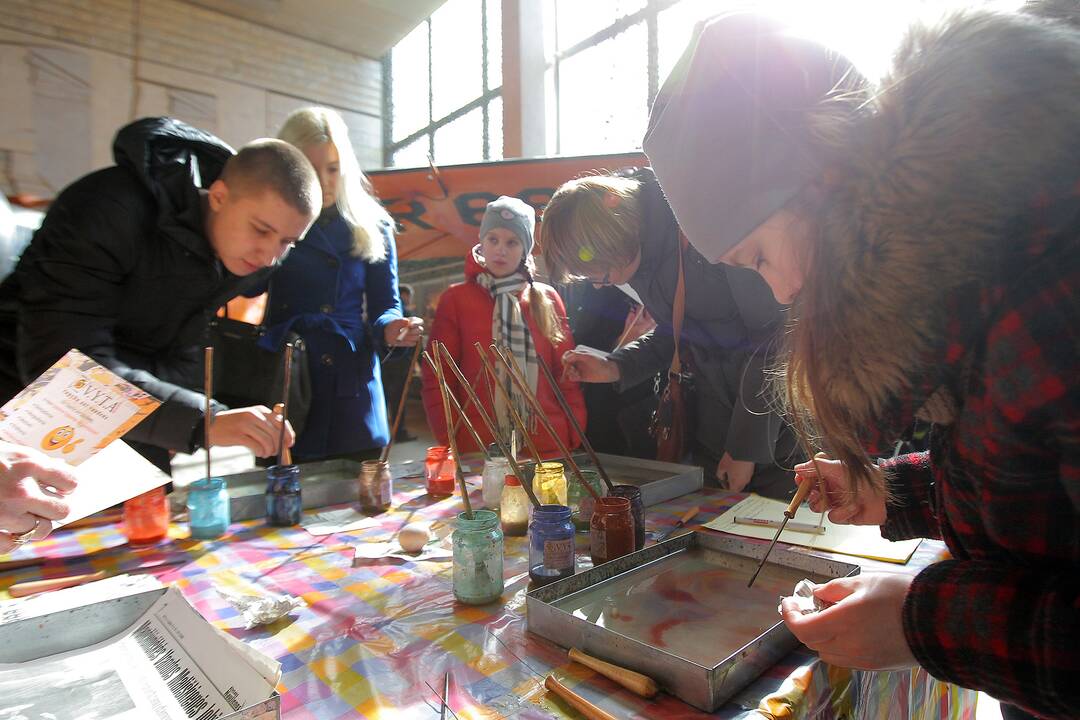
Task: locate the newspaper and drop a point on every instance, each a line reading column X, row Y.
column 170, row 663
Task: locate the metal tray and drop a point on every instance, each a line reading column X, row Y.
column 38, row 636
column 680, row 612
column 659, row 481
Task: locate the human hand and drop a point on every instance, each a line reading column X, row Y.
column 31, row 486
column 580, row 365
column 257, row 428
column 864, row 627
column 867, row 507
column 638, row 322
column 404, row 332
column 734, row 475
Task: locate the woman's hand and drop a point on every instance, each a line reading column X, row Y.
column 404, row 332
column 864, row 627
column 31, row 488
column 584, row 365
column 257, row 428
column 734, row 475
column 845, row 508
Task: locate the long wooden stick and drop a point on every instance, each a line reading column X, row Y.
column 208, row 392
column 453, row 442
column 523, row 388
column 282, row 452
column 583, row 706
column 643, row 685
column 503, row 448
column 573, row 421
column 385, row 454
column 457, row 407
column 515, row 416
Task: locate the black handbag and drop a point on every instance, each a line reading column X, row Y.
column 246, row 374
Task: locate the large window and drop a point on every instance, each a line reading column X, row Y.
column 442, row 86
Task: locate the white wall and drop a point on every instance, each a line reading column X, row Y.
column 72, row 72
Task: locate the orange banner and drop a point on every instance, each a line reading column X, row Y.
column 438, row 211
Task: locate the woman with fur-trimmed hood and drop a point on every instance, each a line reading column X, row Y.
column 927, row 238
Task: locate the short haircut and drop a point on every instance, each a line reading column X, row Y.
column 269, row 164
column 590, row 225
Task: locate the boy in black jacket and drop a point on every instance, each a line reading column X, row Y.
column 132, row 261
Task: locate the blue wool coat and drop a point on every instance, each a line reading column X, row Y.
column 340, row 304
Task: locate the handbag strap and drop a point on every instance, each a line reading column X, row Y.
column 678, row 309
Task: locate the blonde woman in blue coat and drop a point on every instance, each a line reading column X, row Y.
column 338, row 290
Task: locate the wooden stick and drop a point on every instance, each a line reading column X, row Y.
column 506, row 451
column 575, row 701
column 457, row 407
column 451, row 439
column 523, row 388
column 34, row 587
column 573, row 421
column 622, row 338
column 643, row 685
column 285, row 403
column 522, row 428
column 385, row 455
column 208, row 392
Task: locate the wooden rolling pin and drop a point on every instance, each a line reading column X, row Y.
column 643, row 685
column 575, row 701
column 34, row 587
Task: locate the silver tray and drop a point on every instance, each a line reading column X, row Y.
column 680, row 612
column 38, row 636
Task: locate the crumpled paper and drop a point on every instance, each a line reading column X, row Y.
column 806, row 600
column 261, row 609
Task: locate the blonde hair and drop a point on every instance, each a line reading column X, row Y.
column 591, row 225
column 355, row 199
column 542, row 307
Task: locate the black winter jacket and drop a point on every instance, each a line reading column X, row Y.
column 122, row 270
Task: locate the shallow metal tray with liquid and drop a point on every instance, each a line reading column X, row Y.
column 679, row 612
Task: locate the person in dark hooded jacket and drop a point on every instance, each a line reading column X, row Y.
column 131, row 262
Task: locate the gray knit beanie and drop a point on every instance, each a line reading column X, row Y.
column 515, row 215
column 727, row 136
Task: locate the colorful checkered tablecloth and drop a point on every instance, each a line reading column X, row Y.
column 374, row 640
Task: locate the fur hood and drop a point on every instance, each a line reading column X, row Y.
column 936, row 194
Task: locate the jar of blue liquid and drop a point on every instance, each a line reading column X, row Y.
column 478, row 558
column 283, row 502
column 208, row 508
column 551, row 544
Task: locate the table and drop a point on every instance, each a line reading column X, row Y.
column 372, row 638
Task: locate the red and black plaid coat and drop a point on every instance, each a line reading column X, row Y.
column 1001, row 486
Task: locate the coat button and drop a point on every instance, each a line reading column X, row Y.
column 326, row 309
column 327, row 360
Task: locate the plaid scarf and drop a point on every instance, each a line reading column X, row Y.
column 509, row 329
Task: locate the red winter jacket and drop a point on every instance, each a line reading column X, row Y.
column 463, row 318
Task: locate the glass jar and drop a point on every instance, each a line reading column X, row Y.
column 208, row 508
column 549, row 483
column 376, row 486
column 551, row 544
column 612, row 529
column 637, row 511
column 581, row 500
column 514, row 508
column 495, row 471
column 478, row 558
column 146, row 517
column 283, row 500
column 439, row 471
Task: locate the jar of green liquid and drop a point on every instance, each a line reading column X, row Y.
column 478, row 558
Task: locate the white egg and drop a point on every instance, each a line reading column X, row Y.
column 414, row 536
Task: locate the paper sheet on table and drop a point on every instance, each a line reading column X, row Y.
column 858, row 540
column 115, row 474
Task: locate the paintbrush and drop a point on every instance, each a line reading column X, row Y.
column 514, row 414
column 461, row 413
column 557, row 391
column 523, row 388
column 417, row 349
column 789, row 512
column 208, row 391
column 33, row 587
column 687, row 517
column 445, row 391
column 491, row 426
column 283, row 452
